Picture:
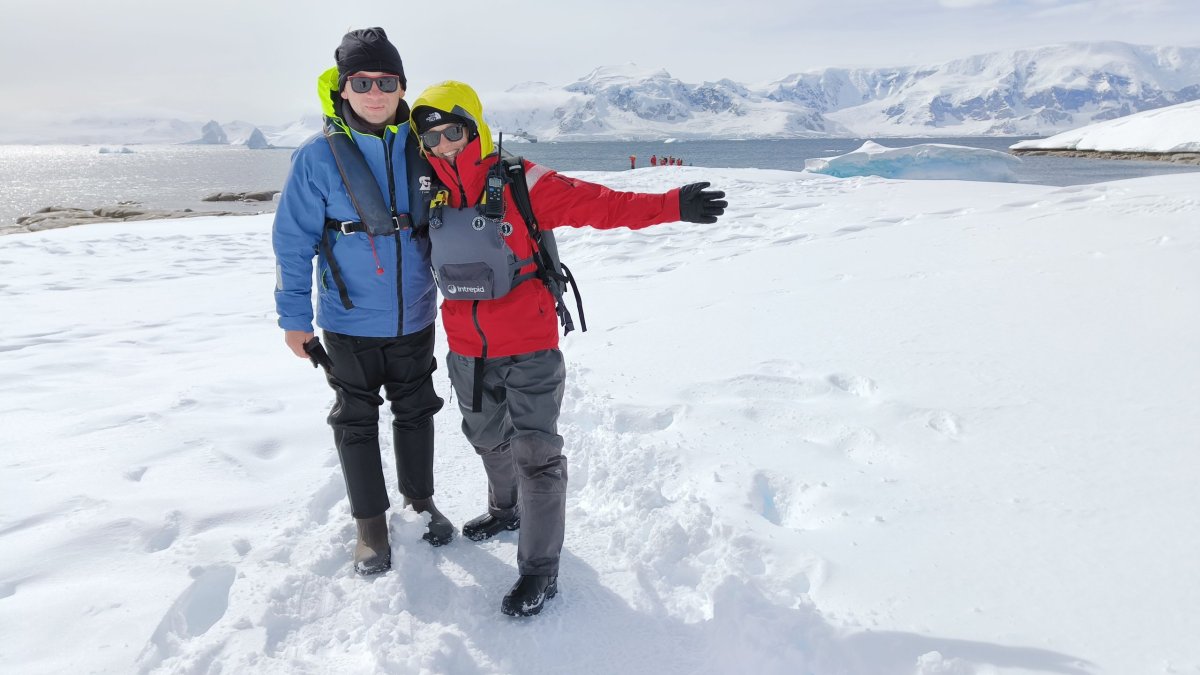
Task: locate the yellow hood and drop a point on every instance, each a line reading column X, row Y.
column 327, row 89
column 456, row 98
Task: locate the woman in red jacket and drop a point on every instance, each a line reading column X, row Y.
column 501, row 323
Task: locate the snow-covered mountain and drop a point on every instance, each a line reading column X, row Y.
column 1026, row 92
column 1035, row 92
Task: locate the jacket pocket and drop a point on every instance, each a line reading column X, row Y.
column 466, row 281
column 363, row 271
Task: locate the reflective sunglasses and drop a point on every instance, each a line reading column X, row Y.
column 432, row 138
column 361, row 84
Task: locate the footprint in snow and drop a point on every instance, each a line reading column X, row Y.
column 855, row 385
column 163, row 537
column 945, row 423
column 197, row 609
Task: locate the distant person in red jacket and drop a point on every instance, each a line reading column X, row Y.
column 653, row 160
column 633, row 161
column 504, row 361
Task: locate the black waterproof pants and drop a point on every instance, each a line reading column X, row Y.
column 403, row 367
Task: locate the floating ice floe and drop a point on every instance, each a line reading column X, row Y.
column 925, row 161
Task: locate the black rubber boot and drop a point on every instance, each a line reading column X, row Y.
column 372, row 554
column 441, row 530
column 529, row 594
column 488, row 526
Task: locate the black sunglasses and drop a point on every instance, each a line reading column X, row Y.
column 454, row 132
column 361, row 84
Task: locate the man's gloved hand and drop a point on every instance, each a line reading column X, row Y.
column 697, row 205
column 317, row 354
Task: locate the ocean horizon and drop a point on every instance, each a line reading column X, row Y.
column 178, row 177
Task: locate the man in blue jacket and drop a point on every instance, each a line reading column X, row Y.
column 376, row 295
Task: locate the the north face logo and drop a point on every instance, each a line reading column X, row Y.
column 433, row 117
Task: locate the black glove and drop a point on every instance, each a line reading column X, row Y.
column 697, row 205
column 317, row 354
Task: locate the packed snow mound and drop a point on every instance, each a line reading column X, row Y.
column 1174, row 128
column 924, row 161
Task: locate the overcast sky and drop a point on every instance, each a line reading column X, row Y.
column 257, row 60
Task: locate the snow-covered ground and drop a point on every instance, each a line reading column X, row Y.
column 1175, row 128
column 859, row 426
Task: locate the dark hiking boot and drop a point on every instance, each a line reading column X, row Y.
column 529, row 594
column 372, row 554
column 441, row 530
column 488, row 526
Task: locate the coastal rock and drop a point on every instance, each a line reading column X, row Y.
column 1173, row 157
column 260, row 196
column 55, row 217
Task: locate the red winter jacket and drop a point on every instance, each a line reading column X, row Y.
column 524, row 320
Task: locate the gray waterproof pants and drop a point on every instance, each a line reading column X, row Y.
column 516, row 434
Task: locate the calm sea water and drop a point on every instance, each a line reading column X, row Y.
column 178, row 176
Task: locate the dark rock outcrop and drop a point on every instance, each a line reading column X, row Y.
column 260, row 196
column 1173, row 157
column 54, row 217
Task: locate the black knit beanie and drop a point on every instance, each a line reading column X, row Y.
column 367, row 49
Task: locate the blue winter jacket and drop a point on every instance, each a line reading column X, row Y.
column 388, row 278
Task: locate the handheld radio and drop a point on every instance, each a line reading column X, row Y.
column 493, row 195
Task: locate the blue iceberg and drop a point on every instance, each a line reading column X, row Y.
column 929, row 161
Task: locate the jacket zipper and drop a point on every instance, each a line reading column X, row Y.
column 389, row 144
column 462, row 192
column 479, row 329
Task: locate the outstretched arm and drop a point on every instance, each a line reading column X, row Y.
column 559, row 200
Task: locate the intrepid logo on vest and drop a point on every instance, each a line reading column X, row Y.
column 455, row 290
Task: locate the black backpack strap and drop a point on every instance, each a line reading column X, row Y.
column 375, row 214
column 570, row 278
column 546, row 259
column 335, row 269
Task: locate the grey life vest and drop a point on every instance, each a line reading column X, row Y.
column 471, row 260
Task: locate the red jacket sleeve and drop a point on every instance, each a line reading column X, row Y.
column 561, row 201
